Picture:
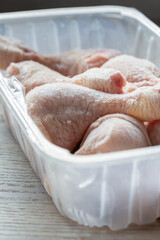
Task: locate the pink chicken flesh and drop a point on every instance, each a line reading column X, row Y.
column 69, row 64
column 114, row 132
column 32, row 74
column 138, row 72
column 63, row 112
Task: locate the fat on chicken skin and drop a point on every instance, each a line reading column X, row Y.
column 114, row 132
column 32, row 74
column 64, row 111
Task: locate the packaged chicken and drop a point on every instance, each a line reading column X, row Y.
column 99, row 94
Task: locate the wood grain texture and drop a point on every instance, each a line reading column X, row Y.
column 27, row 212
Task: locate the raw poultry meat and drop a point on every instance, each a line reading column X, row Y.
column 114, row 132
column 69, row 64
column 12, row 50
column 141, row 76
column 63, row 112
column 78, row 61
column 153, row 129
column 138, row 72
column 32, row 74
column 110, row 81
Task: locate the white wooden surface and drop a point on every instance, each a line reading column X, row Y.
column 27, row 212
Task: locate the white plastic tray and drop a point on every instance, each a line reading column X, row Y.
column 113, row 189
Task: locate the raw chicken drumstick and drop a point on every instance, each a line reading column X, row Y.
column 69, row 64
column 78, row 61
column 64, row 111
column 32, row 74
column 12, row 50
column 114, row 132
column 138, row 72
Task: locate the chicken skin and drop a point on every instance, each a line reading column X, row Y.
column 32, row 74
column 13, row 50
column 138, row 72
column 78, row 61
column 114, row 132
column 64, row 111
column 69, row 64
